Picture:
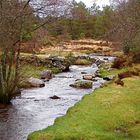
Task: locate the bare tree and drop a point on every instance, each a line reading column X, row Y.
column 126, row 24
column 17, row 19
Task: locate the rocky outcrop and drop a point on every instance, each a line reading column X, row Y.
column 82, row 84
column 51, row 62
column 34, row 82
column 60, row 63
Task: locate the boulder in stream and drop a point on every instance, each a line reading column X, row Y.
column 88, row 77
column 106, row 58
column 34, row 82
column 59, row 62
column 47, row 74
column 98, row 75
column 82, row 84
column 99, row 62
column 83, row 72
column 54, row 97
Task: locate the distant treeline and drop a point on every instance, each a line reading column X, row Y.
column 81, row 22
column 118, row 22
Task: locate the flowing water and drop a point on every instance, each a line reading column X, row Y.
column 34, row 110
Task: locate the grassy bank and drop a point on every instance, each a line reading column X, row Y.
column 28, row 71
column 111, row 113
column 34, row 71
column 105, row 72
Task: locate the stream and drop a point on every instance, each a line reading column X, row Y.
column 33, row 110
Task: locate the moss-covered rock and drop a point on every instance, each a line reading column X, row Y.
column 82, row 84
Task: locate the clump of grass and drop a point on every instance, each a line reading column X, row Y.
column 83, row 62
column 55, row 70
column 105, row 72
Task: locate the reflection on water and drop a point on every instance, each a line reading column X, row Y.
column 34, row 110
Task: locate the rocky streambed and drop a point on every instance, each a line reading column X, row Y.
column 34, row 109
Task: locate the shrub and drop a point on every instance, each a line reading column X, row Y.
column 119, row 62
column 128, row 74
column 136, row 58
column 126, row 47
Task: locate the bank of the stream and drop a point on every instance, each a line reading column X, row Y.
column 34, row 65
column 37, row 108
column 111, row 113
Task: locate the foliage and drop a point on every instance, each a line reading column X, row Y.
column 83, row 22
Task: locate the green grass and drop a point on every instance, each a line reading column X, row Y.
column 31, row 70
column 105, row 72
column 98, row 115
column 34, row 71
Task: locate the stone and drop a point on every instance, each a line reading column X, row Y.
column 47, row 74
column 94, row 65
column 83, row 57
column 109, row 78
column 77, row 79
column 61, row 63
column 35, row 82
column 88, row 77
column 83, row 72
column 98, row 75
column 106, row 59
column 82, row 84
column 95, row 80
column 99, row 62
column 54, row 97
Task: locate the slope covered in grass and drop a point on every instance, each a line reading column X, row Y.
column 110, row 113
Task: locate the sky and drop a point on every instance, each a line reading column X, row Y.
column 89, row 3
